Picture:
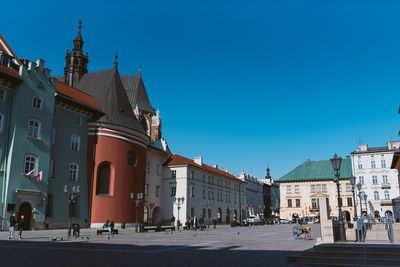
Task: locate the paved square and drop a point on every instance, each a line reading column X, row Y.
column 267, row 245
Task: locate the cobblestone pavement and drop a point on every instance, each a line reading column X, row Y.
column 267, row 245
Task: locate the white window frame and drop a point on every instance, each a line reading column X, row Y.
column 375, row 179
column 73, row 172
column 383, row 163
column 76, row 119
column 38, row 130
column 385, row 179
column 373, row 164
column 387, row 196
column 361, row 179
column 75, row 145
column 34, row 102
column 35, row 164
column 376, row 195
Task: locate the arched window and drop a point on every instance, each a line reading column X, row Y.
column 30, row 163
column 75, row 142
column 103, row 179
column 73, row 172
column 387, row 194
column 376, row 195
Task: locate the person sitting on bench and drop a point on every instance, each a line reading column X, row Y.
column 112, row 225
column 107, row 226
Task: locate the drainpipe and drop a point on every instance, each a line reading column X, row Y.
column 3, row 193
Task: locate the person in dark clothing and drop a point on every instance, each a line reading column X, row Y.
column 214, row 222
column 21, row 225
column 201, row 222
column 106, row 226
column 112, row 225
column 13, row 221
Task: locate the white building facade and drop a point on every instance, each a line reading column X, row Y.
column 206, row 191
column 371, row 167
column 254, row 195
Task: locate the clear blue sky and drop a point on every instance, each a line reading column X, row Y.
column 240, row 84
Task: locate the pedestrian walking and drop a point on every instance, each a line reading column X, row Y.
column 21, row 225
column 13, row 221
column 173, row 221
column 201, row 222
column 215, row 222
column 194, row 223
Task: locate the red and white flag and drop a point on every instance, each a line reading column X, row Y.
column 30, row 173
column 39, row 176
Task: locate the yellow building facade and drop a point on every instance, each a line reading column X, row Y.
column 301, row 188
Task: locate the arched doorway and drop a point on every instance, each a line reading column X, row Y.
column 389, row 213
column 219, row 215
column 376, row 214
column 228, row 216
column 26, row 210
column 346, row 216
column 156, row 215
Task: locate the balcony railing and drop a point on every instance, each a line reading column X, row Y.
column 385, row 185
column 386, row 202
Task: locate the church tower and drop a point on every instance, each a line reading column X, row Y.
column 75, row 61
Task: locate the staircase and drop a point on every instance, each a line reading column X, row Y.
column 349, row 255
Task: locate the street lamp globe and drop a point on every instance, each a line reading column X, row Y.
column 352, row 180
column 359, row 186
column 132, row 195
column 336, row 162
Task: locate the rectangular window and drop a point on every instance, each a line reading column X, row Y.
column 361, row 179
column 349, row 202
column 192, row 191
column 340, row 187
column 324, row 188
column 34, row 129
column 173, row 174
column 148, row 167
column 77, row 119
column 385, row 179
column 360, row 166
column 383, row 163
column 296, row 189
column 204, row 212
column 313, row 188
column 209, row 213
column 374, row 179
column 75, row 142
column 209, row 195
column 73, row 172
column 315, row 204
column 297, row 203
column 146, row 190
column 373, row 166
column 157, row 191
column 348, row 187
column 37, row 102
column 318, row 188
column 204, row 194
column 289, row 203
column 30, row 165
column 289, row 189
column 173, row 191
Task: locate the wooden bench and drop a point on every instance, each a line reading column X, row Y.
column 150, row 227
column 167, row 227
column 101, row 231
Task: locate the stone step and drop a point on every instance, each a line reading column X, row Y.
column 352, row 254
column 341, row 260
column 365, row 248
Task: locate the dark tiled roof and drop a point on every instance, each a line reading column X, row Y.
column 136, row 92
column 317, row 170
column 107, row 89
column 9, row 48
column 179, row 160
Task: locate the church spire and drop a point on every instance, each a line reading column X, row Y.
column 76, row 61
column 268, row 176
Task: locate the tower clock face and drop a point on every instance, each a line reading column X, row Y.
column 132, row 158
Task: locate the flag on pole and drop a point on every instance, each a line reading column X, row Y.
column 30, row 173
column 39, row 176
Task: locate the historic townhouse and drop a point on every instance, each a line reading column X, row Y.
column 271, row 196
column 380, row 183
column 207, row 191
column 254, row 195
column 301, row 188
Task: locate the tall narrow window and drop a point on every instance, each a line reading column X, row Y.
column 383, row 163
column 73, row 172
column 349, row 202
column 348, row 188
column 146, row 190
column 30, row 165
column 324, row 188
column 103, row 179
column 34, row 129
column 360, row 166
column 173, row 191
column 75, row 142
column 373, row 166
column 387, row 194
column 384, row 179
column 297, row 203
column 376, row 195
column 361, row 179
column 289, row 203
column 374, row 179
column 173, row 174
column 296, row 189
column 289, row 189
column 77, row 119
column 157, row 191
column 313, row 188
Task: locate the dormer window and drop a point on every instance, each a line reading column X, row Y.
column 5, row 60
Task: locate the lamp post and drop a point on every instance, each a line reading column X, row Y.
column 336, row 162
column 179, row 201
column 365, row 199
column 353, row 184
column 359, row 186
column 73, row 194
column 139, row 198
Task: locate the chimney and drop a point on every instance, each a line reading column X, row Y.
column 198, row 160
column 216, row 166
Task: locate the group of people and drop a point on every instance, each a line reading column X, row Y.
column 109, row 226
column 199, row 223
column 16, row 224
